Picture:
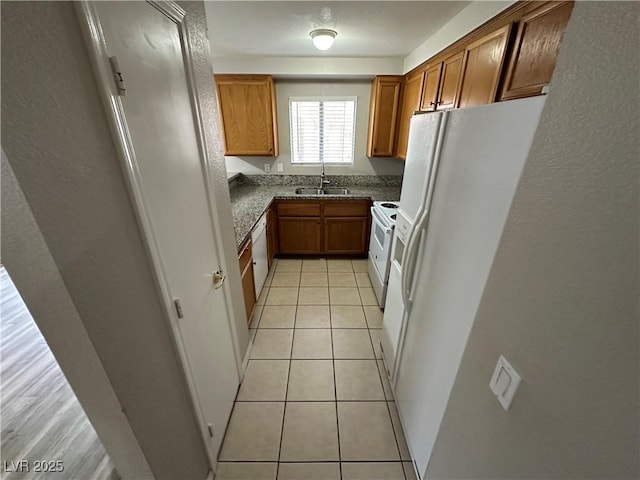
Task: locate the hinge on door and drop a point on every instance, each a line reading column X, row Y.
column 178, row 305
column 117, row 76
column 210, row 428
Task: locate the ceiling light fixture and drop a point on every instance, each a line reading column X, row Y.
column 323, row 38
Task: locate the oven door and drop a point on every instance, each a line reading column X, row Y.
column 379, row 245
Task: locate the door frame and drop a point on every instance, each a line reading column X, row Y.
column 98, row 53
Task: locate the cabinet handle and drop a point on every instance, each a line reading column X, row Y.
column 375, row 150
column 255, row 263
column 433, row 103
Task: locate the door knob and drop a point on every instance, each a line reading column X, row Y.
column 218, row 278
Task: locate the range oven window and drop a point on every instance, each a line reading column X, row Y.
column 380, row 233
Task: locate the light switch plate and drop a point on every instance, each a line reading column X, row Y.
column 504, row 382
column 280, row 167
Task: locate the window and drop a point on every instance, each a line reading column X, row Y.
column 322, row 129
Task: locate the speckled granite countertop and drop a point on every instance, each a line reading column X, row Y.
column 251, row 196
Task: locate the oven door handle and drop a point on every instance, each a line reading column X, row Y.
column 377, row 218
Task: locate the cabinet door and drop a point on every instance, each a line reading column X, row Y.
column 245, row 259
column 383, row 115
column 484, row 59
column 450, row 82
column 299, row 235
column 248, row 114
column 430, row 88
column 345, row 235
column 410, row 104
column 535, row 50
column 248, row 289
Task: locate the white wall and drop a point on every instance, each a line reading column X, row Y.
column 471, row 17
column 362, row 164
column 561, row 302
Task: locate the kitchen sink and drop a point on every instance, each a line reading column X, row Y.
column 321, row 191
column 309, row 191
column 336, row 191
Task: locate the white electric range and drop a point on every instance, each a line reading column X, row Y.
column 383, row 219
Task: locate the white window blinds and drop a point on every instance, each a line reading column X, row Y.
column 322, row 129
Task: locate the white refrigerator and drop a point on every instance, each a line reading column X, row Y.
column 461, row 173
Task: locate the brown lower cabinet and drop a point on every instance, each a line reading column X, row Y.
column 331, row 227
column 345, row 235
column 245, row 258
column 300, row 235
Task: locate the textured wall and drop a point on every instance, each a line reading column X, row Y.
column 362, row 164
column 57, row 140
column 562, row 298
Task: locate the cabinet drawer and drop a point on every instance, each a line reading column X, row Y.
column 244, row 257
column 299, row 209
column 348, row 208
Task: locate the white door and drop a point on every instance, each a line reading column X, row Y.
column 161, row 123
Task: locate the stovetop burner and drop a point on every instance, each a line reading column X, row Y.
column 388, row 205
column 393, row 217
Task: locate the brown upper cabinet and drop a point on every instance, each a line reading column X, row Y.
column 411, row 101
column 513, row 55
column 430, row 87
column 450, row 84
column 248, row 114
column 383, row 115
column 535, row 50
column 483, row 61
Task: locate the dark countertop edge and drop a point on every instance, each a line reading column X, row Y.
column 293, row 196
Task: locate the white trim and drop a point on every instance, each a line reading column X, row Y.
column 324, row 98
column 96, row 43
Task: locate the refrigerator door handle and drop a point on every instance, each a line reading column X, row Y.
column 408, row 268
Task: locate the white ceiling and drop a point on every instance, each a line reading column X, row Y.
column 365, row 28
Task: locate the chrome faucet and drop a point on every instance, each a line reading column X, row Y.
column 323, row 182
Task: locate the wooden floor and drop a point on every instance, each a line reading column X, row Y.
column 41, row 417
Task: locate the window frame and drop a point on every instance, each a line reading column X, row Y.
column 324, row 98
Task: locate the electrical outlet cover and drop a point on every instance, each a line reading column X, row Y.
column 504, row 382
column 267, row 168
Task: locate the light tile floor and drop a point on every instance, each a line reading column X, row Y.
column 315, row 403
